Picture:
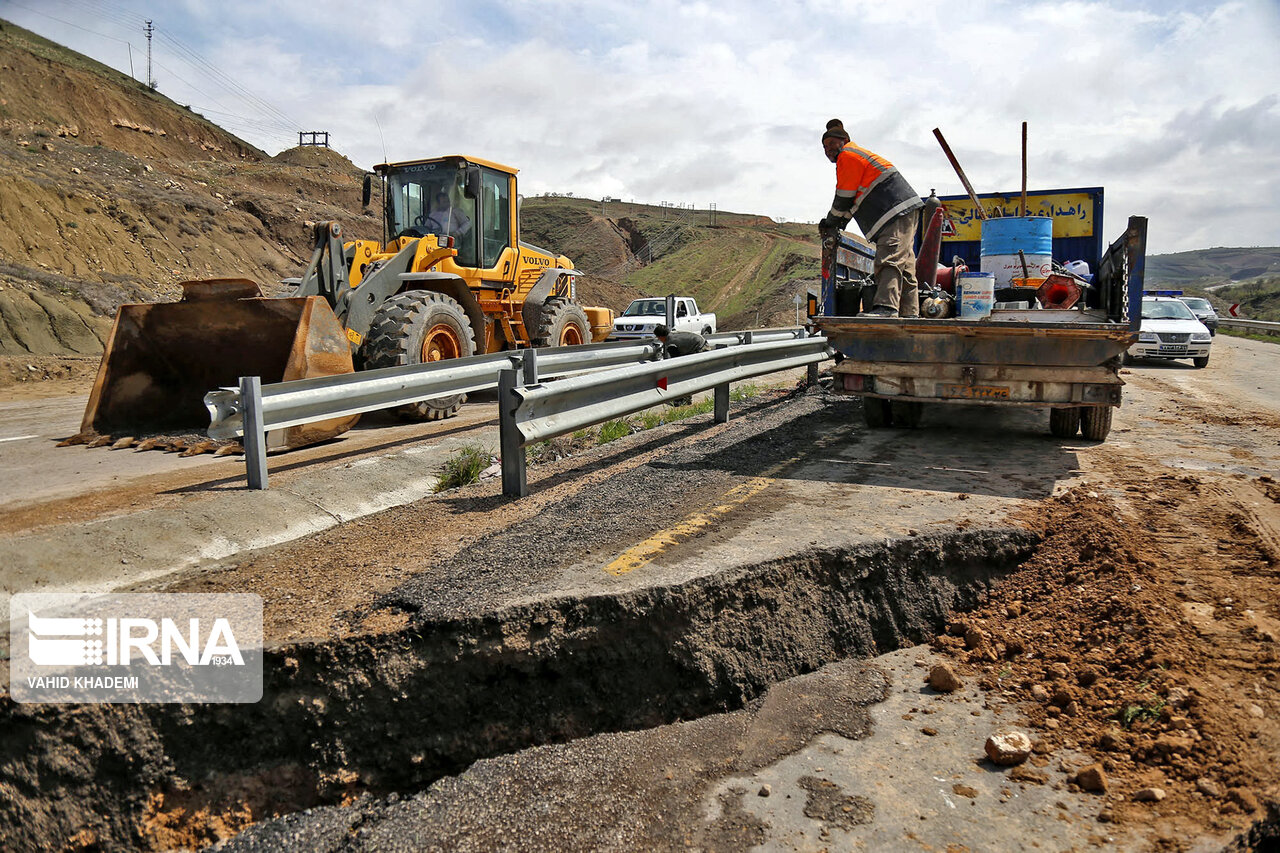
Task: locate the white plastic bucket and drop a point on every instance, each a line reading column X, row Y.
column 975, row 295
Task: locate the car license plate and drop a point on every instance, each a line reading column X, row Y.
column 1173, row 348
column 976, row 392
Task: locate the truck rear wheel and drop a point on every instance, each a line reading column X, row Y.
column 875, row 412
column 420, row 327
column 1095, row 422
column 564, row 324
column 1064, row 423
column 906, row 414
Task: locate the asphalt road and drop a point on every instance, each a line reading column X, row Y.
column 660, row 511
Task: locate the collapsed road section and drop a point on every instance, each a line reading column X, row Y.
column 396, row 711
column 523, row 634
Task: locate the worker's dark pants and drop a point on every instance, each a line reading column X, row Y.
column 894, row 268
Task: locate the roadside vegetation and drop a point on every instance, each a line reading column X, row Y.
column 610, row 431
column 464, row 467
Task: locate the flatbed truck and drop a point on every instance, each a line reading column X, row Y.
column 1066, row 360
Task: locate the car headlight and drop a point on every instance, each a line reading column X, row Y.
column 1147, row 337
column 1197, row 337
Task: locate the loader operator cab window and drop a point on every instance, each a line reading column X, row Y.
column 496, row 203
column 430, row 199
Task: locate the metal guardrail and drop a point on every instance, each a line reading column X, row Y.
column 529, row 413
column 1263, row 326
column 253, row 409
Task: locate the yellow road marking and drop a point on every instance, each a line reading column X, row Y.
column 643, row 553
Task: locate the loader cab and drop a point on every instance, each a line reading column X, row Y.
column 469, row 201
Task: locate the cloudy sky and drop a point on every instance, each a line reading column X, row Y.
column 1171, row 105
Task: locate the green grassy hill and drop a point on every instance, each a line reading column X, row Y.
column 1248, row 276
column 746, row 268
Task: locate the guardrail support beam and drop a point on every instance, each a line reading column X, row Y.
column 515, row 483
column 530, row 367
column 255, row 437
column 722, row 403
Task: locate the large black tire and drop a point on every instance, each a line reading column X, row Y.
column 1064, row 423
column 906, row 413
column 1200, row 361
column 1095, row 422
column 419, row 327
column 563, row 324
column 876, row 412
column 1126, row 359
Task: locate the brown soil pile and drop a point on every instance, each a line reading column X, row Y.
column 314, row 156
column 1147, row 639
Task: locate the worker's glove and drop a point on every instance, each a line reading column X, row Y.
column 829, row 225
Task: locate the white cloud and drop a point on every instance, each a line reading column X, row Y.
column 1170, row 106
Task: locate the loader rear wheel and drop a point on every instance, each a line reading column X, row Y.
column 564, row 324
column 420, row 327
column 1095, row 422
column 1064, row 423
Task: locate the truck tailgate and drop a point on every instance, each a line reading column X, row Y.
column 1033, row 342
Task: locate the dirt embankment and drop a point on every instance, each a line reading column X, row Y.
column 110, row 193
column 1139, row 634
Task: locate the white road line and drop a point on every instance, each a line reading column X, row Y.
column 956, row 470
column 19, row 437
column 854, row 462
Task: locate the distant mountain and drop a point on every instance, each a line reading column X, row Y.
column 1211, row 267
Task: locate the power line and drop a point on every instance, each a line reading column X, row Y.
column 274, row 121
column 225, row 80
column 68, row 23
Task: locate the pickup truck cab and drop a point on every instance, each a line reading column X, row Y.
column 642, row 315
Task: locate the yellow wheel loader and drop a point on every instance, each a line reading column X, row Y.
column 449, row 279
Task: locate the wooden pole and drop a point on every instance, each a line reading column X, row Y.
column 1024, row 168
column 955, row 164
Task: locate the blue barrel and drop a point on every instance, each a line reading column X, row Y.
column 1003, row 238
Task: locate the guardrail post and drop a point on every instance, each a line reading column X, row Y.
column 722, row 403
column 255, row 438
column 529, row 365
column 515, row 484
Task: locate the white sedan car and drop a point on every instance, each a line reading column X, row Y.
column 1170, row 330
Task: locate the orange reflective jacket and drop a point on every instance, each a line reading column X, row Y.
column 870, row 189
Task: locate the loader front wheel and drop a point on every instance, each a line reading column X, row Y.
column 420, row 327
column 564, row 324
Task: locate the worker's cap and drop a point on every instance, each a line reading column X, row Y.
column 835, row 130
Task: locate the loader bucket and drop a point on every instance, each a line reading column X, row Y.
column 163, row 358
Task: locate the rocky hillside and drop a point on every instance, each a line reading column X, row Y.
column 110, row 192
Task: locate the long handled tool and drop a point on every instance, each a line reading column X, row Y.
column 955, row 164
column 1024, row 169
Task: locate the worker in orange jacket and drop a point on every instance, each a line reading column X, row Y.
column 871, row 190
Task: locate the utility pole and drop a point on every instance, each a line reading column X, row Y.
column 151, row 81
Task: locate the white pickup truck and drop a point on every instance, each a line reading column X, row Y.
column 643, row 314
